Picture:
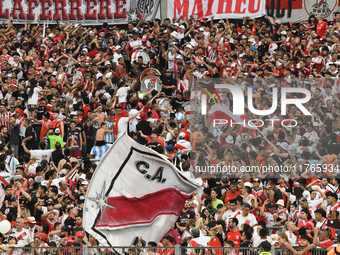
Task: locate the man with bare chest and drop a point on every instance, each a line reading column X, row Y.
column 100, row 115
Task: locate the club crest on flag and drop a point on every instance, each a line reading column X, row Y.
column 134, row 192
column 322, row 7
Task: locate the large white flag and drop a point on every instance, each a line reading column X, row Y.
column 134, row 192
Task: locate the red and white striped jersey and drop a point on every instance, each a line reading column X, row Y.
column 132, row 45
column 3, row 116
column 212, row 54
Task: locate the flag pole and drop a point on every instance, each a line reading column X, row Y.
column 44, row 30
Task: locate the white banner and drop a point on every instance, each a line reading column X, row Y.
column 220, row 9
column 134, row 192
column 295, row 11
column 89, row 12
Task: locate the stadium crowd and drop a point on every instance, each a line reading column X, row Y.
column 68, row 92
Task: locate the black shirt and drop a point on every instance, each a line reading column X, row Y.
column 14, row 138
column 33, row 143
column 70, row 222
column 184, row 217
column 168, row 81
column 246, row 244
column 18, row 96
column 40, row 112
column 144, row 126
column 176, row 103
column 155, row 146
column 76, row 133
column 57, row 155
column 92, row 130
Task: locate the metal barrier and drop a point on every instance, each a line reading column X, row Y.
column 75, row 249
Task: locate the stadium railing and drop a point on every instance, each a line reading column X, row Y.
column 175, row 250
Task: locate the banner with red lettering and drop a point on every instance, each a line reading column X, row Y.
column 220, row 9
column 299, row 10
column 87, row 12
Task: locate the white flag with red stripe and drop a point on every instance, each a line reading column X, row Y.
column 134, row 192
column 2, row 195
column 221, row 112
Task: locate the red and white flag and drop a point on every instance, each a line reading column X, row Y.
column 221, row 114
column 2, row 195
column 134, row 192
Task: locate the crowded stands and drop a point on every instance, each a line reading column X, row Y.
column 67, row 96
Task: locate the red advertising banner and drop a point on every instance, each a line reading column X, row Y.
column 80, row 11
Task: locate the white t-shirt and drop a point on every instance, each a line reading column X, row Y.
column 122, row 126
column 171, row 64
column 122, row 93
column 116, row 56
column 291, row 237
column 33, row 100
column 133, row 123
column 56, row 181
column 42, row 154
column 250, row 219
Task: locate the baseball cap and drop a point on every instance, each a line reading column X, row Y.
column 31, row 220
column 185, row 123
column 57, row 131
column 274, row 242
column 271, row 205
column 43, row 237
column 118, row 47
column 63, row 172
column 80, row 234
column 248, row 184
column 168, row 148
column 266, row 245
column 181, row 135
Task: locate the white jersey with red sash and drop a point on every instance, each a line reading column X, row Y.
column 321, row 224
column 201, row 240
column 282, row 213
column 22, row 128
column 330, row 209
column 294, row 216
